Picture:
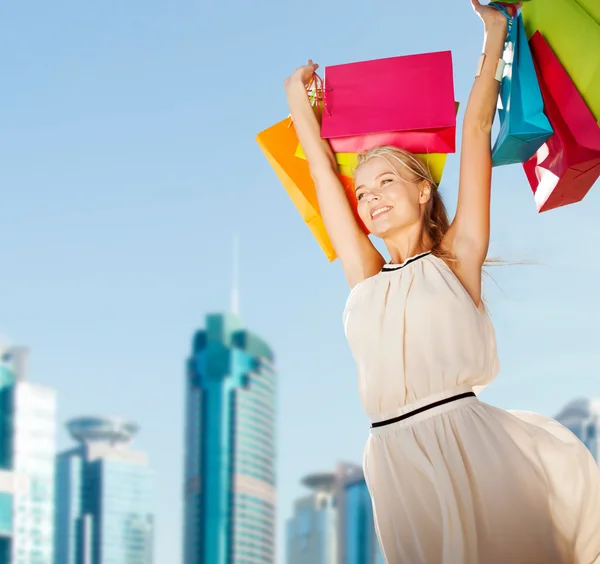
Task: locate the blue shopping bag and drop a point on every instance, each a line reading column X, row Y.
column 523, row 126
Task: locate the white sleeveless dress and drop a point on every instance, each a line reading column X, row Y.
column 463, row 483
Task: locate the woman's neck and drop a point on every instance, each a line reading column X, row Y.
column 407, row 244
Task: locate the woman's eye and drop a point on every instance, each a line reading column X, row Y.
column 359, row 196
column 386, row 181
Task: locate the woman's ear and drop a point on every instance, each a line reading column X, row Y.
column 424, row 192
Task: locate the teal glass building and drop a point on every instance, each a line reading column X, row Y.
column 357, row 540
column 7, row 381
column 229, row 491
column 27, row 450
column 334, row 524
column 103, row 496
column 360, row 544
column 311, row 533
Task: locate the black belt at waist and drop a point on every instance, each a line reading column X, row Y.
column 422, row 409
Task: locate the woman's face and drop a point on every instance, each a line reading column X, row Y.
column 388, row 199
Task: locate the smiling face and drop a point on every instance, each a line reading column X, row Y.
column 391, row 196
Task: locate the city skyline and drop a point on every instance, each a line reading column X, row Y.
column 127, row 160
column 339, row 500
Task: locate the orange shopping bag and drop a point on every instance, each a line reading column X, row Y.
column 279, row 143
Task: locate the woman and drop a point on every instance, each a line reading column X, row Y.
column 452, row 480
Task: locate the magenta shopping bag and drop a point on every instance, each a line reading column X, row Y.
column 409, row 99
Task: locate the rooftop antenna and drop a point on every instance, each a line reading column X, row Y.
column 235, row 298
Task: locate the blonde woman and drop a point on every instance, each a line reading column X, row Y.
column 452, row 479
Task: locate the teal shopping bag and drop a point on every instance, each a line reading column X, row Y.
column 523, row 126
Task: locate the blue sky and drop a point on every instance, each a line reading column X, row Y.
column 127, row 163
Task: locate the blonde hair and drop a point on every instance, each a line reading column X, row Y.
column 435, row 218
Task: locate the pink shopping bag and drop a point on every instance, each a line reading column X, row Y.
column 404, row 101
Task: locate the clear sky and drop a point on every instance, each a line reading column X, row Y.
column 127, row 162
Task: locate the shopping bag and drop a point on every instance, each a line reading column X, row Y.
column 347, row 163
column 279, row 144
column 592, row 7
column 567, row 165
column 574, row 37
column 523, row 126
column 402, row 101
column 442, row 140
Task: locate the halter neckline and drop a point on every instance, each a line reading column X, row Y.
column 388, row 267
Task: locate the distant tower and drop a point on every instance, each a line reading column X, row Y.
column 104, row 496
column 582, row 417
column 334, row 524
column 27, row 447
column 311, row 534
column 229, row 492
column 357, row 540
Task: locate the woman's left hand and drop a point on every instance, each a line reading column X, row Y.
column 491, row 16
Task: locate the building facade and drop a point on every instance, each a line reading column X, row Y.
column 582, row 417
column 104, row 496
column 334, row 524
column 229, row 482
column 27, row 447
column 7, row 385
column 311, row 533
column 357, row 540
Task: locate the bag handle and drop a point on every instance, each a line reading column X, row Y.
column 506, row 10
column 316, row 92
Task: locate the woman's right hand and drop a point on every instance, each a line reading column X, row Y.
column 302, row 74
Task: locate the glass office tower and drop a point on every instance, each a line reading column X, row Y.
column 229, row 491
column 582, row 417
column 104, row 496
column 334, row 524
column 357, row 540
column 27, row 447
column 7, row 383
column 311, row 533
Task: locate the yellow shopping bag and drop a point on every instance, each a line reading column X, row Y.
column 279, row 143
column 347, row 163
column 572, row 30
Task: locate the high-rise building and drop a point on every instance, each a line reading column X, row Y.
column 7, row 383
column 582, row 417
column 357, row 540
column 103, row 496
column 229, row 491
column 334, row 524
column 27, row 447
column 312, row 531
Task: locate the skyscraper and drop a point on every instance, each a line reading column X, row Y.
column 229, row 491
column 7, row 383
column 27, row 446
column 312, row 531
column 103, row 496
column 357, row 541
column 334, row 524
column 582, row 417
